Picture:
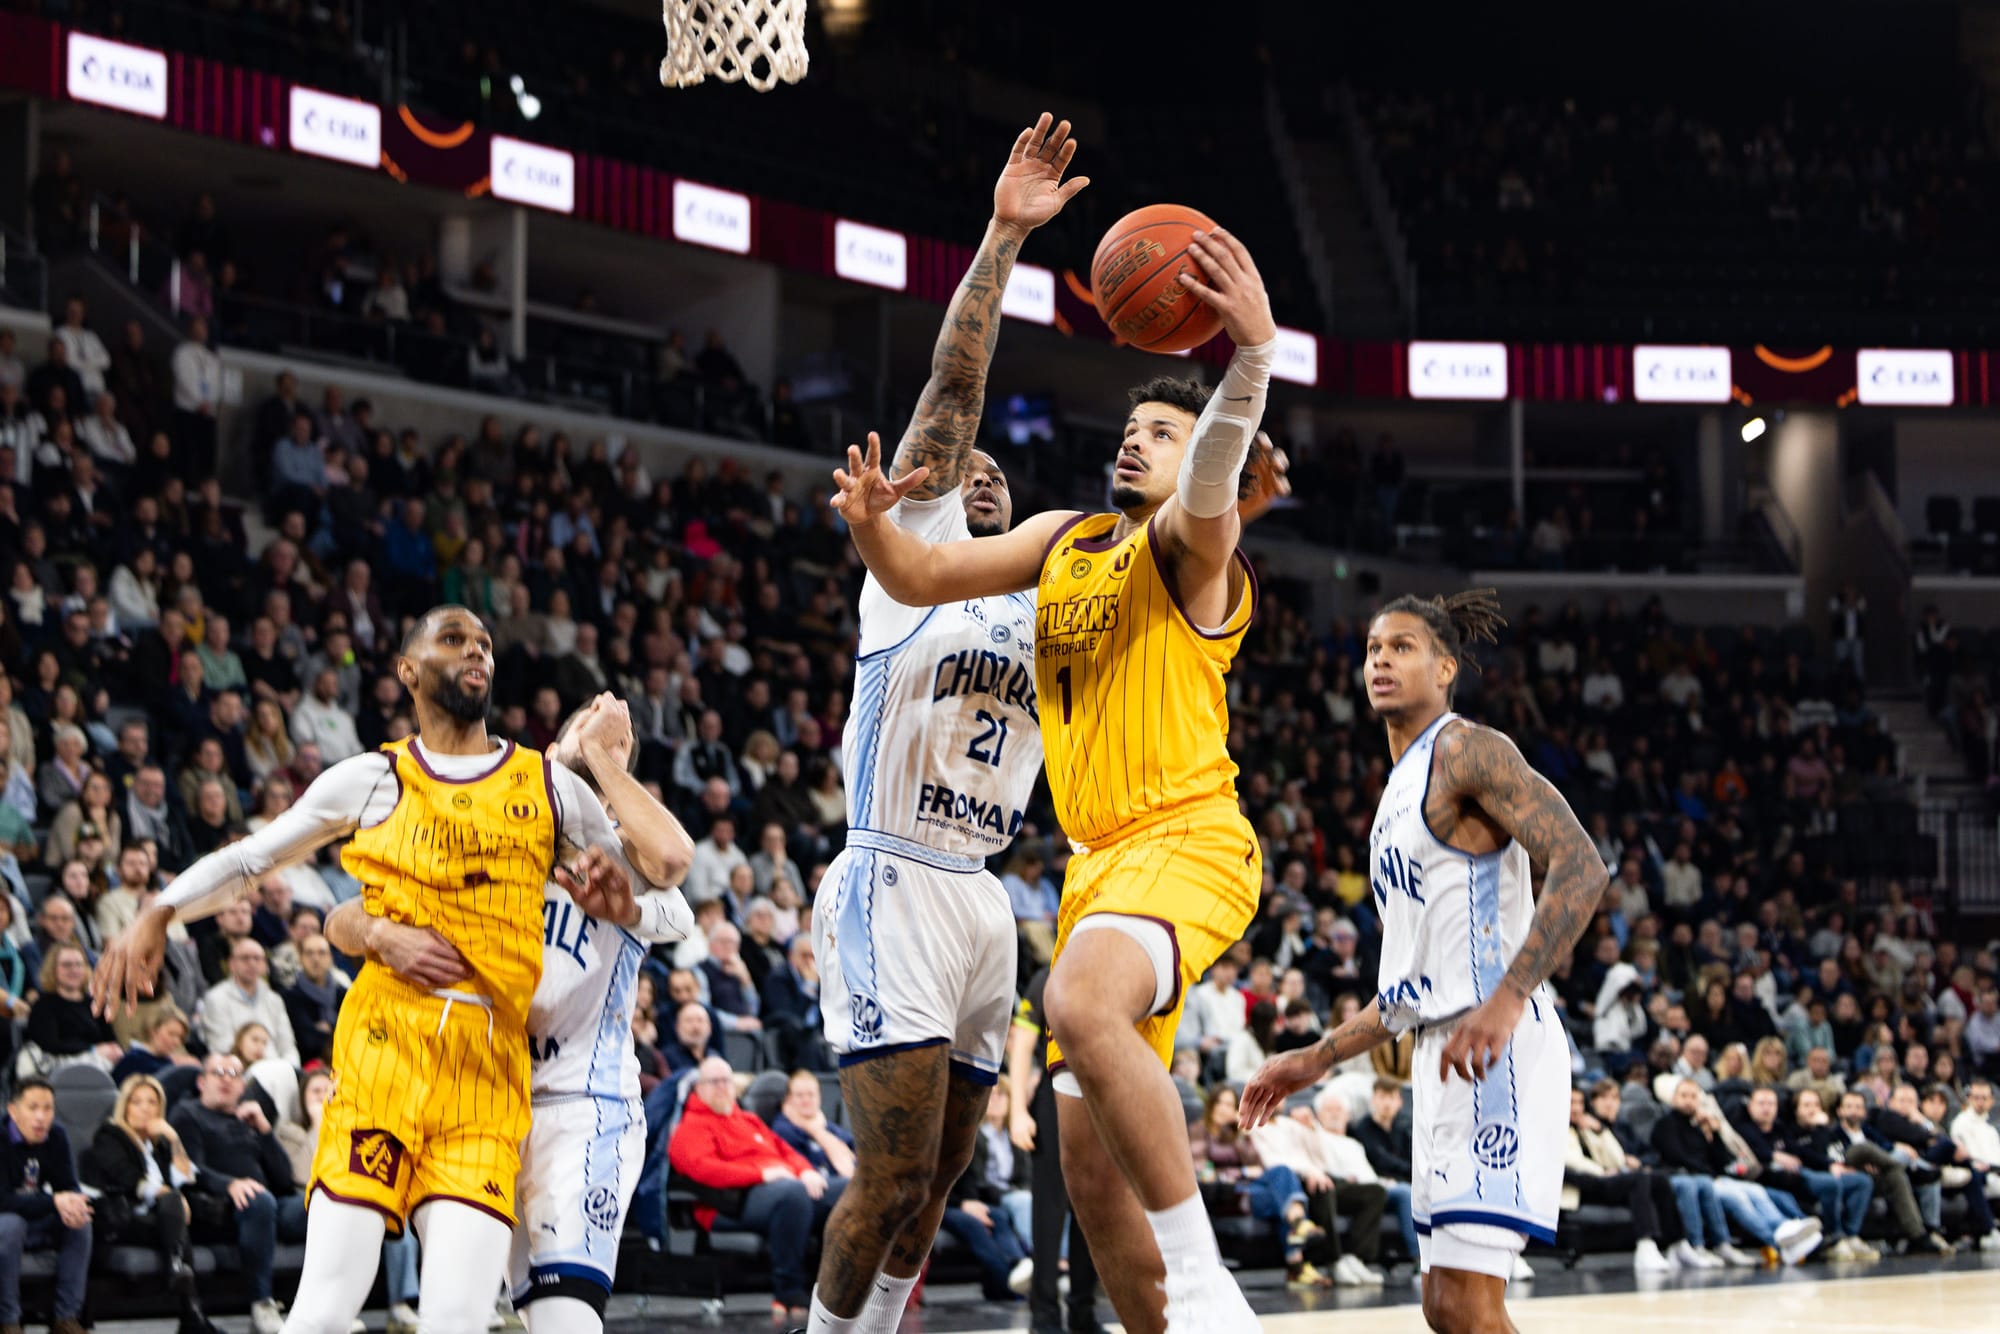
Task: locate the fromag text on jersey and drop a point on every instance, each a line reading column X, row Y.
column 1074, row 625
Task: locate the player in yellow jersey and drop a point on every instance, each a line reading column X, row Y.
column 1139, row 615
column 453, row 831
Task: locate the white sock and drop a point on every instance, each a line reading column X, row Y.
column 884, row 1311
column 561, row 1315
column 823, row 1321
column 1186, row 1239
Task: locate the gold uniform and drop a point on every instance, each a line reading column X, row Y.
column 430, row 1095
column 1133, row 726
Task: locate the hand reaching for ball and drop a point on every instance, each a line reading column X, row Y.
column 1226, row 278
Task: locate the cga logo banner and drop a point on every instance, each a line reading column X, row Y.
column 336, row 127
column 1681, row 374
column 1458, row 370
column 871, row 255
column 1030, row 294
column 112, row 74
column 1891, row 377
column 1297, row 357
column 706, row 216
column 525, row 173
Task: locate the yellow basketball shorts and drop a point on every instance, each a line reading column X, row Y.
column 430, row 1102
column 1196, row 872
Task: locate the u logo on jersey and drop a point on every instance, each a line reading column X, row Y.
column 1122, row 564
column 1394, row 871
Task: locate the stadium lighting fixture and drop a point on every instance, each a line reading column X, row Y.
column 1752, row 429
column 528, row 104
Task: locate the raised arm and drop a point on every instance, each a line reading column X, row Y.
column 1030, row 191
column 1200, row 524
column 1480, row 766
column 655, row 843
column 917, row 573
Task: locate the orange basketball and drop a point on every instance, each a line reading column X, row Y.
column 1135, row 276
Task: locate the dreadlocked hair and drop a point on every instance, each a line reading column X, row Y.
column 1456, row 621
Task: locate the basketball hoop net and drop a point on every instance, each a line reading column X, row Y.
column 757, row 41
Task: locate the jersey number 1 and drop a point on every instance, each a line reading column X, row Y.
column 1062, row 680
column 996, row 732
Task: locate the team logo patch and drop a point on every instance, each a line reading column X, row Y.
column 462, row 801
column 890, row 875
column 1495, row 1146
column 867, row 1020
column 377, row 1155
column 1001, row 634
column 378, row 1032
column 1122, row 564
column 1079, row 568
column 520, row 810
column 600, row 1208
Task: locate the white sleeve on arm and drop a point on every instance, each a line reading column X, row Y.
column 664, row 914
column 1222, row 435
column 331, row 808
column 581, row 817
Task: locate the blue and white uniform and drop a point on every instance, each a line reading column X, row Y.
column 1487, row 1156
column 586, row 1145
column 914, row 937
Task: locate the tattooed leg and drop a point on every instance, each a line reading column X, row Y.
column 964, row 1108
column 1121, row 1242
column 896, row 1108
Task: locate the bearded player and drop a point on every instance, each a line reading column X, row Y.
column 914, row 936
column 1139, row 614
column 1461, row 831
column 586, row 1149
column 449, row 830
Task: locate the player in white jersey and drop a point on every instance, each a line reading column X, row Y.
column 1461, row 829
column 586, row 1145
column 915, row 938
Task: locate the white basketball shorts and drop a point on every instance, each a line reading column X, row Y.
column 579, row 1166
column 915, row 948
column 1487, row 1156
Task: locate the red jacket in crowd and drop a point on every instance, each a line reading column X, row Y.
column 727, row 1152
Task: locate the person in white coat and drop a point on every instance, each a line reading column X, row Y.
column 1621, row 1011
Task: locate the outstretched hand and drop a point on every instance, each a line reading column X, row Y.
column 1265, row 479
column 866, row 493
column 1031, row 189
column 1278, row 1079
column 130, row 962
column 1227, row 279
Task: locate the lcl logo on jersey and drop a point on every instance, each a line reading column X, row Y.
column 1495, row 1146
column 867, row 1020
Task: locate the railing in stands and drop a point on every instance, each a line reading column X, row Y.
column 1375, row 194
column 1968, row 843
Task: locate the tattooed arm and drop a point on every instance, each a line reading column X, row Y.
column 1481, row 775
column 1282, row 1076
column 1030, row 192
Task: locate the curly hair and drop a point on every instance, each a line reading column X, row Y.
column 1189, row 395
column 1456, row 622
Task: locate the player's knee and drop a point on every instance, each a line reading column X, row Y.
column 894, row 1192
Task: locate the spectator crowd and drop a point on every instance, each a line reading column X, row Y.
column 1770, row 1032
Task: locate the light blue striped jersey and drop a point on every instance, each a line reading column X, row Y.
column 1451, row 922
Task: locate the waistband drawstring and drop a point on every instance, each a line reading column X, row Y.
column 451, row 998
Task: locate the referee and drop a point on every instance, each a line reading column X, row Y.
column 1031, row 1123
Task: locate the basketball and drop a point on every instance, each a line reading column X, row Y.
column 1135, row 276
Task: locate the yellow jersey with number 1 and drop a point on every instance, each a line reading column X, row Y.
column 1134, row 720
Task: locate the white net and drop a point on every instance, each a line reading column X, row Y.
column 760, row 42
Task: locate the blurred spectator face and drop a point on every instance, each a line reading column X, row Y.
column 716, row 1085
column 1687, row 1097
column 723, row 831
column 234, row 921
column 211, row 804
column 724, row 942
column 149, row 785
column 1916, row 1062
column 221, row 1083
column 683, row 987
column 57, row 917
column 316, row 957
column 1980, row 1099
column 802, row 1097
column 33, row 1110
column 246, row 964
column 1331, row 1112
column 1695, row 1052
column 1935, row 1106
column 742, row 880
column 1764, row 1108
column 133, row 869
column 691, row 1026
column 1903, row 1101
column 1384, row 1105
column 1989, row 1001
column 1819, row 1062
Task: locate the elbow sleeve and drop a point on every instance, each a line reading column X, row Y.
column 1213, row 463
